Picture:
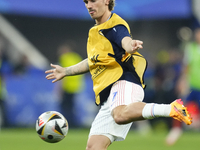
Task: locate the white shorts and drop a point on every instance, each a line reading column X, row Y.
column 122, row 93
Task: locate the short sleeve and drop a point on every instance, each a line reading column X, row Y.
column 116, row 34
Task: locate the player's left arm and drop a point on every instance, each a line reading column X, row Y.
column 121, row 36
column 130, row 45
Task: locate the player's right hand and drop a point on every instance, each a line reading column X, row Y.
column 57, row 73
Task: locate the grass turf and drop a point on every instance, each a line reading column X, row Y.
column 27, row 139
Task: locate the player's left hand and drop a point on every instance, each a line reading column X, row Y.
column 136, row 44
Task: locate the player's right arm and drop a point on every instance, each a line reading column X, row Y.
column 59, row 72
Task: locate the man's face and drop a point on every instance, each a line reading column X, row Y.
column 96, row 8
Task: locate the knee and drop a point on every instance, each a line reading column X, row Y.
column 98, row 142
column 119, row 115
column 92, row 146
column 119, row 119
column 89, row 147
column 95, row 147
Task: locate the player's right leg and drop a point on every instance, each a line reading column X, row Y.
column 105, row 130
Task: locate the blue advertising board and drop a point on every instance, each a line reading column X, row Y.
column 27, row 96
column 30, row 94
column 129, row 9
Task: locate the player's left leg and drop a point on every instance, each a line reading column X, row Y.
column 125, row 102
column 124, row 114
column 136, row 111
column 98, row 142
column 126, row 105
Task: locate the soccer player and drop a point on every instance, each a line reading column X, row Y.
column 117, row 71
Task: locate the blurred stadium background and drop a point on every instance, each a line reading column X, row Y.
column 31, row 33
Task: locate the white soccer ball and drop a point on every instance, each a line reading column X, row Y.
column 52, row 126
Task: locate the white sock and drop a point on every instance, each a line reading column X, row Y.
column 152, row 110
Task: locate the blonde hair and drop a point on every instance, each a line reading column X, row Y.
column 111, row 5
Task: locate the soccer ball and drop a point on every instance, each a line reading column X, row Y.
column 52, row 126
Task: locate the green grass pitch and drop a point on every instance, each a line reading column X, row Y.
column 27, row 139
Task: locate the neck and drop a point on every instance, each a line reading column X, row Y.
column 103, row 18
